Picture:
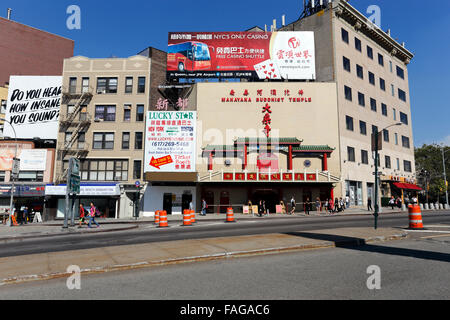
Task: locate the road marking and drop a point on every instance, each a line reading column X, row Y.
column 438, row 226
column 438, row 236
column 431, row 231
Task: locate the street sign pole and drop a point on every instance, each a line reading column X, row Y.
column 375, row 214
column 68, row 187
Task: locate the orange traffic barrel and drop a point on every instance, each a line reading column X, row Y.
column 157, row 216
column 230, row 215
column 163, row 219
column 186, row 218
column 415, row 217
column 192, row 212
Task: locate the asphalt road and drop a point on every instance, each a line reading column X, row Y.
column 413, row 269
column 147, row 233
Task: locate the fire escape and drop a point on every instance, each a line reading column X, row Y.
column 76, row 121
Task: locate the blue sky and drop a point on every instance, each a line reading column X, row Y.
column 123, row 28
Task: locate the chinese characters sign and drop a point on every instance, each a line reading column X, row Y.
column 251, row 55
column 170, row 141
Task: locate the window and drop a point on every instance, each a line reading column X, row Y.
column 398, row 164
column 351, row 154
column 374, row 129
column 402, row 95
column 127, row 112
column 72, row 85
column 384, row 109
column 125, row 140
column 81, row 140
column 407, row 165
column 361, row 99
column 403, row 118
column 138, row 141
column 392, row 90
column 344, row 34
column 382, row 84
column 358, row 44
column 83, row 113
column 349, row 122
column 2, row 176
column 137, row 164
column 396, row 138
column 70, row 109
column 394, row 111
column 380, row 60
column 141, row 85
column 105, row 113
column 405, row 142
column 387, row 162
column 390, row 66
column 67, row 138
column 32, row 176
column 106, row 85
column 363, row 128
column 364, row 157
column 373, row 104
column 359, row 71
column 129, row 85
column 371, row 78
column 103, row 140
column 400, row 72
column 346, row 64
column 348, row 93
column 104, row 170
column 140, row 112
column 370, row 52
column 85, row 85
column 386, row 135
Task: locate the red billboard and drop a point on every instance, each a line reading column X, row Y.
column 252, row 55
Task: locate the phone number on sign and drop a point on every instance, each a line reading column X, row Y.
column 170, row 144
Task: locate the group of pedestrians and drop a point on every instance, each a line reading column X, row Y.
column 88, row 214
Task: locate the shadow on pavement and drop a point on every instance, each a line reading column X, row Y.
column 359, row 244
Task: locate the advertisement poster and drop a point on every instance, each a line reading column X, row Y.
column 252, row 55
column 170, row 141
column 33, row 107
column 30, row 159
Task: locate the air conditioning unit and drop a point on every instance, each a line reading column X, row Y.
column 101, row 91
column 97, row 119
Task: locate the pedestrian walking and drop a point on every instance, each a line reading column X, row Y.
column 307, row 206
column 392, row 202
column 342, row 203
column 347, row 202
column 292, row 205
column 337, row 207
column 399, row 202
column 326, row 206
column 283, row 207
column 260, row 208
column 330, row 206
column 318, row 205
column 25, row 215
column 82, row 216
column 204, row 206
column 369, row 204
column 93, row 211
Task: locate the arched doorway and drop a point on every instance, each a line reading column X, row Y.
column 269, row 195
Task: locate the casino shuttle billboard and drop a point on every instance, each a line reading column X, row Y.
column 33, row 107
column 251, row 55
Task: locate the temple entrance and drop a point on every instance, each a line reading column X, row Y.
column 269, row 195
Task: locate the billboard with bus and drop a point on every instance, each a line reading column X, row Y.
column 251, row 55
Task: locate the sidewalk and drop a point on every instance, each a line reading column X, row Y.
column 54, row 228
column 54, row 265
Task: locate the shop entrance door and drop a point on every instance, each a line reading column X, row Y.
column 167, row 203
column 270, row 196
column 185, row 200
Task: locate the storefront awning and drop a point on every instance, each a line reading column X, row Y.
column 407, row 186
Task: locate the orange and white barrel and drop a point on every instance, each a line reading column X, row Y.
column 163, row 219
column 157, row 212
column 415, row 217
column 230, row 215
column 192, row 212
column 186, row 218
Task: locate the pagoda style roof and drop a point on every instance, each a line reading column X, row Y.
column 322, row 148
column 264, row 140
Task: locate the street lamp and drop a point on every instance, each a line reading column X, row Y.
column 376, row 137
column 12, row 176
column 445, row 174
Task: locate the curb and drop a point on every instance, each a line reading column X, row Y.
column 225, row 255
column 14, row 238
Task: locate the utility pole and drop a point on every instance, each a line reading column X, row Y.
column 445, row 176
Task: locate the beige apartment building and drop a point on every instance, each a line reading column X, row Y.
column 102, row 123
column 371, row 75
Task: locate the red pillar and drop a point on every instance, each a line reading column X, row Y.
column 290, row 158
column 210, row 161
column 245, row 157
column 332, row 193
column 325, row 162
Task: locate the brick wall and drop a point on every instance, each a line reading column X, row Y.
column 157, row 74
column 28, row 51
